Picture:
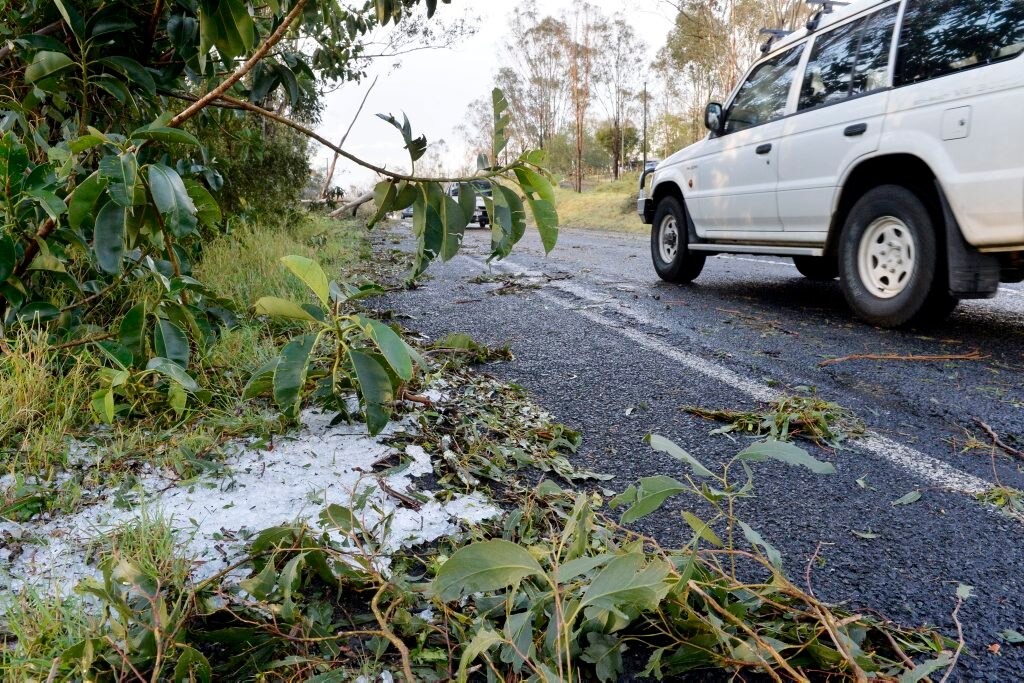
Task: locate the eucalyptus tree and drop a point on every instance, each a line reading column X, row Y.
column 104, row 186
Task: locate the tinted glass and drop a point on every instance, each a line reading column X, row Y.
column 830, row 70
column 940, row 37
column 872, row 67
column 763, row 96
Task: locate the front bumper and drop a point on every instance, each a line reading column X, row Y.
column 645, row 204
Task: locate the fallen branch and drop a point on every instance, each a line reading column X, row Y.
column 1002, row 445
column 973, row 355
column 352, row 206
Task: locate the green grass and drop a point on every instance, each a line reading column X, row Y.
column 47, row 395
column 605, row 206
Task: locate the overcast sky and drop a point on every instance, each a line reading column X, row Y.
column 430, row 88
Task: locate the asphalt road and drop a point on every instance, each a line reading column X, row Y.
column 615, row 353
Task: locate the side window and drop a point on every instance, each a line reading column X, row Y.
column 941, row 37
column 872, row 67
column 762, row 97
column 830, row 70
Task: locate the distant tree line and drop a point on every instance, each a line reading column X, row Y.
column 577, row 79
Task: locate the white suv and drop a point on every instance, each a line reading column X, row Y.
column 884, row 145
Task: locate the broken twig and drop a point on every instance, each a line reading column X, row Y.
column 973, row 355
column 1002, row 445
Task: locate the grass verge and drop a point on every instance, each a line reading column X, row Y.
column 608, row 206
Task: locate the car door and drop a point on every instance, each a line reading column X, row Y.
column 737, row 174
column 840, row 114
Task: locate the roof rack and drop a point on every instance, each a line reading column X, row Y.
column 773, row 35
column 826, row 8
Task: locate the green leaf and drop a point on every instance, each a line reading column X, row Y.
column 1012, row 637
column 964, row 592
column 46, row 64
column 454, row 220
column 132, row 332
column 310, row 272
column 261, row 382
column 169, row 136
column 108, row 240
column 8, row 256
column 375, row 389
column 926, row 669
column 509, row 218
column 173, row 372
column 103, row 405
column 755, row 539
column 391, row 347
column 582, row 565
column 133, row 71
column 651, row 493
column 282, row 308
column 207, row 209
column 908, row 499
column 38, row 312
column 192, row 666
column 482, row 567
column 482, row 640
column 83, row 200
column 660, row 443
column 502, row 119
column 122, row 172
column 702, row 529
column 261, row 585
column 787, row 453
column 290, row 376
column 626, row 581
column 172, row 200
column 72, row 18
column 53, row 205
column 13, row 160
column 171, row 342
column 546, row 217
column 605, row 653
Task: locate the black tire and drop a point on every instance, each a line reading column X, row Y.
column 924, row 297
column 817, row 268
column 685, row 266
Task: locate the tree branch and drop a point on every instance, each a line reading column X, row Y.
column 241, row 71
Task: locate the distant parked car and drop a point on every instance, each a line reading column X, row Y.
column 483, row 189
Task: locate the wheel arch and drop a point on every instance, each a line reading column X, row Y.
column 905, row 170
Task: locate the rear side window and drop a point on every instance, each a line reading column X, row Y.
column 872, row 69
column 850, row 60
column 941, row 37
column 762, row 97
column 830, row 72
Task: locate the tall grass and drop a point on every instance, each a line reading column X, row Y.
column 41, row 402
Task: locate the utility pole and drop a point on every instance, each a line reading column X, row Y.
column 645, row 128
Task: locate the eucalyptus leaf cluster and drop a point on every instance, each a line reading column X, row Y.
column 361, row 355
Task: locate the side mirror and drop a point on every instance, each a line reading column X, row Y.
column 714, row 117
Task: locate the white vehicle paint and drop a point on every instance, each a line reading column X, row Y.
column 925, row 95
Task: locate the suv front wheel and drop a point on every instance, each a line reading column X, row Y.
column 889, row 260
column 670, row 251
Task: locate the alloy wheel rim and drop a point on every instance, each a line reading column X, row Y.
column 887, row 257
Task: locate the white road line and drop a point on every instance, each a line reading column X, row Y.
column 923, row 467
